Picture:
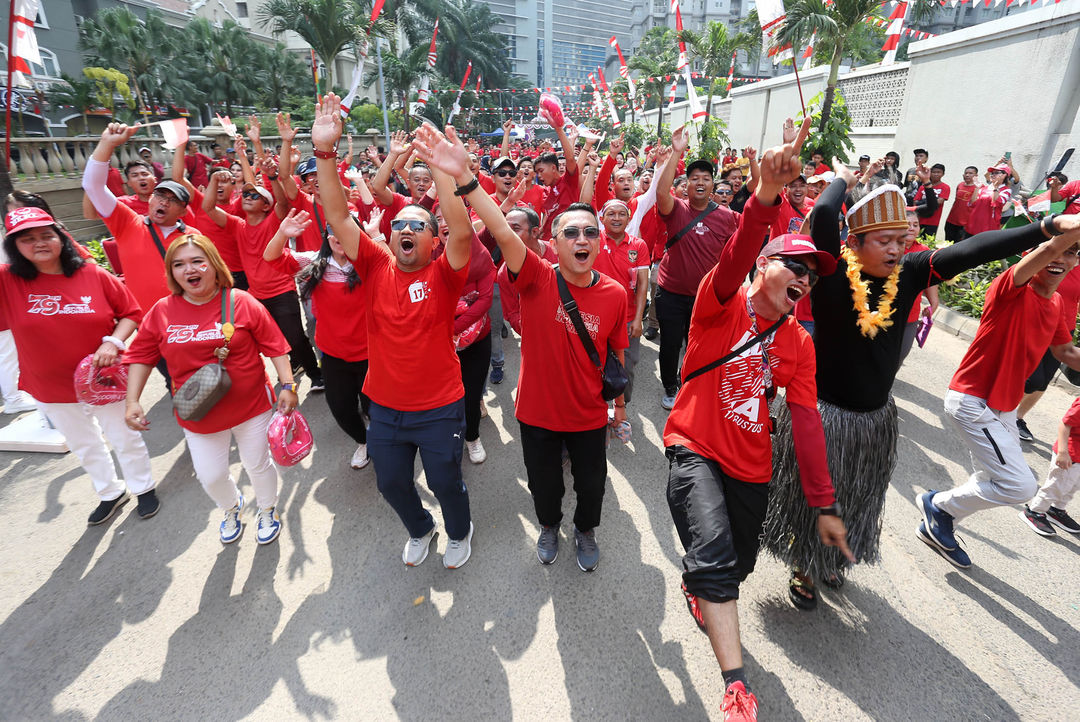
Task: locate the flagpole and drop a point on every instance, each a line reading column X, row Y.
column 382, row 93
column 798, row 83
column 10, row 78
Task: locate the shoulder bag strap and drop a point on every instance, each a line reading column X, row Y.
column 720, row 362
column 570, row 307
column 697, row 219
column 319, row 220
column 228, row 315
column 156, row 237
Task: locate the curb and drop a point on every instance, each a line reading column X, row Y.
column 965, row 327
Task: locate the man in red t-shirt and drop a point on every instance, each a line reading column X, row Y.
column 414, row 375
column 1023, row 315
column 140, row 178
column 561, row 189
column 1062, row 189
column 526, row 224
column 196, row 164
column 929, row 225
column 718, row 436
column 697, row 230
column 418, row 179
column 795, row 206
column 961, row 211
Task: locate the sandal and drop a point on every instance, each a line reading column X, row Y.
column 796, row 587
column 833, row 581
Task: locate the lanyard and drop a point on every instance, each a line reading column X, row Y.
column 766, row 369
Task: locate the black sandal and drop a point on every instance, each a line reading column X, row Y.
column 833, row 581
column 801, row 601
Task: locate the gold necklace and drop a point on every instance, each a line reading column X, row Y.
column 870, row 322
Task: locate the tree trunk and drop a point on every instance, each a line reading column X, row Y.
column 85, row 123
column 405, row 109
column 708, row 103
column 830, row 89
column 659, row 119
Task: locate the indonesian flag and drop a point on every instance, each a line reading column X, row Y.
column 227, row 125
column 731, row 72
column 1039, row 203
column 24, row 47
column 457, row 101
column 624, row 71
column 671, row 96
column 376, row 9
column 615, row 122
column 479, row 79
column 772, row 15
column 175, row 132
column 678, row 29
column 808, row 54
column 423, row 93
column 432, row 54
column 892, row 35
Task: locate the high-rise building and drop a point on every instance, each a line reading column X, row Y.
column 559, row 42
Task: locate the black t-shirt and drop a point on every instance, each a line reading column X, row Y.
column 738, row 201
column 856, row 372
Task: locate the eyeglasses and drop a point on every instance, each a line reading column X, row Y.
column 505, row 173
column 572, row 232
column 414, row 225
column 252, row 195
column 798, row 268
column 168, row 198
column 723, row 193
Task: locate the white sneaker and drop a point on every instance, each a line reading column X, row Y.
column 458, row 551
column 416, row 550
column 230, row 525
column 360, row 458
column 20, row 403
column 477, row 455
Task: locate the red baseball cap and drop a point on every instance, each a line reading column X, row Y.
column 999, row 168
column 793, row 244
column 21, row 219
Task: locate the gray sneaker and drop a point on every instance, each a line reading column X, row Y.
column 416, row 550
column 458, row 551
column 588, row 554
column 547, row 546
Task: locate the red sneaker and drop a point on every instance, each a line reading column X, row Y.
column 739, row 705
column 695, row 610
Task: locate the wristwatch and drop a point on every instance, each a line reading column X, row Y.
column 291, row 386
column 830, row 510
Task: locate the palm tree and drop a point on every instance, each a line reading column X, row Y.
column 712, row 49
column 465, row 35
column 79, row 94
column 400, row 71
column 656, row 58
column 230, row 72
column 285, row 74
column 837, row 24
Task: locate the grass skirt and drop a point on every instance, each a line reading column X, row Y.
column 861, row 449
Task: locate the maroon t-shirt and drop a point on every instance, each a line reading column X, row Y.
column 692, row 256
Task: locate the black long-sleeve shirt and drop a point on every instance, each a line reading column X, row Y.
column 856, row 372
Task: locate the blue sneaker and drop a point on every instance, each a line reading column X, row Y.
column 939, row 524
column 496, row 374
column 269, row 525
column 957, row 557
column 230, row 525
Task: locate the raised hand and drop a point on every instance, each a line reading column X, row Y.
column 295, row 223
column 663, row 152
column 284, row 126
column 616, row 145
column 116, row 134
column 593, row 158
column 517, row 192
column 269, row 167
column 374, row 222
column 790, row 133
column 240, row 145
column 444, row 152
column 474, row 147
column 750, row 153
column 781, row 165
column 373, row 155
column 254, row 128
column 875, row 167
column 507, row 126
column 399, row 143
column 842, row 171
column 572, row 134
column 326, row 129
column 922, row 173
column 680, row 140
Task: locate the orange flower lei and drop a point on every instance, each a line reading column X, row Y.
column 870, row 322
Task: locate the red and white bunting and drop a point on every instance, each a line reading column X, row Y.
column 892, row 35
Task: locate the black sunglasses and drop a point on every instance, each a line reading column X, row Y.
column 414, row 225
column 252, row 195
column 505, row 173
column 572, row 232
column 798, row 268
column 723, row 193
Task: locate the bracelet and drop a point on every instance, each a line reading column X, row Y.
column 620, row 406
column 468, row 187
column 289, row 386
column 271, row 177
column 115, row 342
column 380, row 237
column 326, row 154
column 1048, row 226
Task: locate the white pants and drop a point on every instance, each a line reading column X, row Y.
column 1001, row 475
column 83, row 425
column 210, row 457
column 9, row 371
column 1061, row 485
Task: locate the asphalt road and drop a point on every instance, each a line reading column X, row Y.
column 156, row 620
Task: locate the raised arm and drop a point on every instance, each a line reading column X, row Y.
column 380, row 183
column 254, row 131
column 504, row 150
column 447, row 158
column 287, row 133
column 665, row 202
column 929, row 204
column 97, row 169
column 292, row 226
column 209, row 203
column 568, row 151
column 241, row 157
column 755, row 170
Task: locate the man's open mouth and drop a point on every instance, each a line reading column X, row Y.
column 794, row 293
column 407, row 245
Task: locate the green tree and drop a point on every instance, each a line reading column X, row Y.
column 400, row 71
column 229, row 72
column 711, row 51
column 830, row 138
column 82, row 95
column 465, row 35
column 839, row 25
column 285, row 74
column 657, row 57
column 109, row 83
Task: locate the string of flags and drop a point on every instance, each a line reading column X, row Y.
column 588, row 86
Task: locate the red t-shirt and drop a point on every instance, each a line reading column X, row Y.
column 1071, row 190
column 508, row 292
column 311, row 240
column 143, row 263
column 413, row 365
column 186, row 335
column 534, row 198
column 621, row 261
column 57, row 321
column 223, row 240
column 790, row 219
column 558, row 198
column 916, row 307
column 559, row 386
column 1072, row 420
column 486, row 182
column 961, row 211
column 690, row 258
column 342, row 313
column 263, row 281
column 1017, row 327
column 195, row 165
column 942, row 190
column 114, row 181
column 1069, row 290
column 135, row 203
column 985, row 211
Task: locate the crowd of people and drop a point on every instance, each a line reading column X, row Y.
column 390, row 281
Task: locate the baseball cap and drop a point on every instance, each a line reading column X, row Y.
column 230, row 150
column 864, row 156
column 306, row 166
column 142, row 148
column 176, row 189
column 258, row 189
column 701, row 164
column 501, row 161
column 21, row 219
column 999, row 168
column 794, row 244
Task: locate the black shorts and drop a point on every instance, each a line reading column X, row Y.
column 719, row 520
column 1043, row 374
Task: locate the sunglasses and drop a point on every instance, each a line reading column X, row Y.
column 723, row 193
column 414, row 225
column 505, row 173
column 572, row 232
column 252, row 195
column 798, row 268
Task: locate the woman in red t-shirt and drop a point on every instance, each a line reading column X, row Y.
column 931, row 293
column 331, row 284
column 185, row 328
column 60, row 309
